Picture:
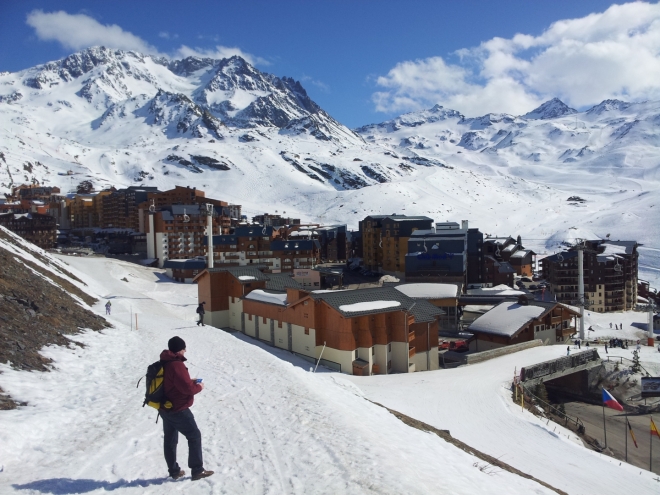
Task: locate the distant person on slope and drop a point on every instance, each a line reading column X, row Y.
column 108, row 307
column 179, row 389
column 200, row 312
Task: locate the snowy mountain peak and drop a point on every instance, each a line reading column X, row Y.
column 608, row 106
column 550, row 110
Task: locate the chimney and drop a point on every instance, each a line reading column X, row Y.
column 464, row 224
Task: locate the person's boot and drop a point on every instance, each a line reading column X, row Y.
column 203, row 474
column 178, row 475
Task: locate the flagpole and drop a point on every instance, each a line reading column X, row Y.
column 604, row 429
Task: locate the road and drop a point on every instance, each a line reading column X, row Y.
column 592, row 417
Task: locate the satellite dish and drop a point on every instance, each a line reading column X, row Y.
column 152, row 207
column 186, row 218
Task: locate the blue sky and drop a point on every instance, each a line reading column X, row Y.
column 366, row 61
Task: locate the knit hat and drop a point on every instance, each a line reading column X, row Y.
column 176, row 344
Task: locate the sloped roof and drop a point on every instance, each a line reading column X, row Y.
column 243, row 271
column 428, row 291
column 191, row 264
column 508, row 318
column 281, row 282
column 423, row 311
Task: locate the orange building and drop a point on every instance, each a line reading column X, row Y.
column 366, row 331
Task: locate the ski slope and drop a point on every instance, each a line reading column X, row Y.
column 474, row 404
column 269, row 426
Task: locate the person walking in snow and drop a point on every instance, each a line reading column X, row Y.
column 200, row 312
column 610, row 325
column 180, row 390
column 108, row 307
column 606, row 348
column 568, row 350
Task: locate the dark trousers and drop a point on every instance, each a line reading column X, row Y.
column 201, row 319
column 182, row 422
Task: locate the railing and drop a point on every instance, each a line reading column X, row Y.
column 567, row 419
column 411, row 336
column 411, row 352
column 621, row 359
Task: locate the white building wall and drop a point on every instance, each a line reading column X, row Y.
column 282, row 336
column 423, row 360
column 264, row 329
column 364, row 353
column 235, row 310
column 344, row 358
column 251, row 326
column 381, row 358
column 218, row 319
column 304, row 344
column 399, row 357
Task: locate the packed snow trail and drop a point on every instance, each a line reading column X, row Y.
column 474, row 403
column 268, row 427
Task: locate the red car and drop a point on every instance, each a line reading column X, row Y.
column 456, row 346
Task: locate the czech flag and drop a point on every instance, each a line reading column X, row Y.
column 610, row 401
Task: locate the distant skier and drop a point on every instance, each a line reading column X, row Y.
column 180, row 390
column 200, row 312
column 568, row 350
column 610, row 325
column 606, row 348
column 108, row 307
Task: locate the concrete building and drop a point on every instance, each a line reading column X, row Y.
column 33, row 227
column 610, row 275
column 438, row 255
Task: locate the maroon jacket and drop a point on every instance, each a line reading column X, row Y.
column 179, row 387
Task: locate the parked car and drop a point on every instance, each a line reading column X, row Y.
column 458, row 346
column 526, row 279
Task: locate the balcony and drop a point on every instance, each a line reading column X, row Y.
column 411, row 336
column 411, row 352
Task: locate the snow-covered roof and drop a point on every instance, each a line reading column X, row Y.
column 246, row 277
column 498, row 290
column 520, row 253
column 368, row 306
column 428, row 291
column 268, row 297
column 506, row 318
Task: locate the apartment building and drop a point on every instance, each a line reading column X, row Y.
column 179, row 232
column 36, row 228
column 610, row 271
column 119, row 208
column 438, row 254
column 385, row 241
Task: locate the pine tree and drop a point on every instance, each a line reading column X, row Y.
column 541, row 392
column 636, row 367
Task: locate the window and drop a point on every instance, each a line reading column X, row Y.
column 279, row 325
column 389, row 347
column 373, row 351
column 355, row 353
column 389, row 364
column 250, row 317
column 264, row 320
column 306, row 331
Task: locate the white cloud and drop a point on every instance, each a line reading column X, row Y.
column 613, row 54
column 77, row 31
column 166, row 35
column 220, row 52
column 315, row 82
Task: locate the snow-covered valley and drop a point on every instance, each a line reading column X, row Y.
column 121, row 118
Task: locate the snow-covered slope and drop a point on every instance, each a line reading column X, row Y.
column 255, row 139
column 268, row 427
